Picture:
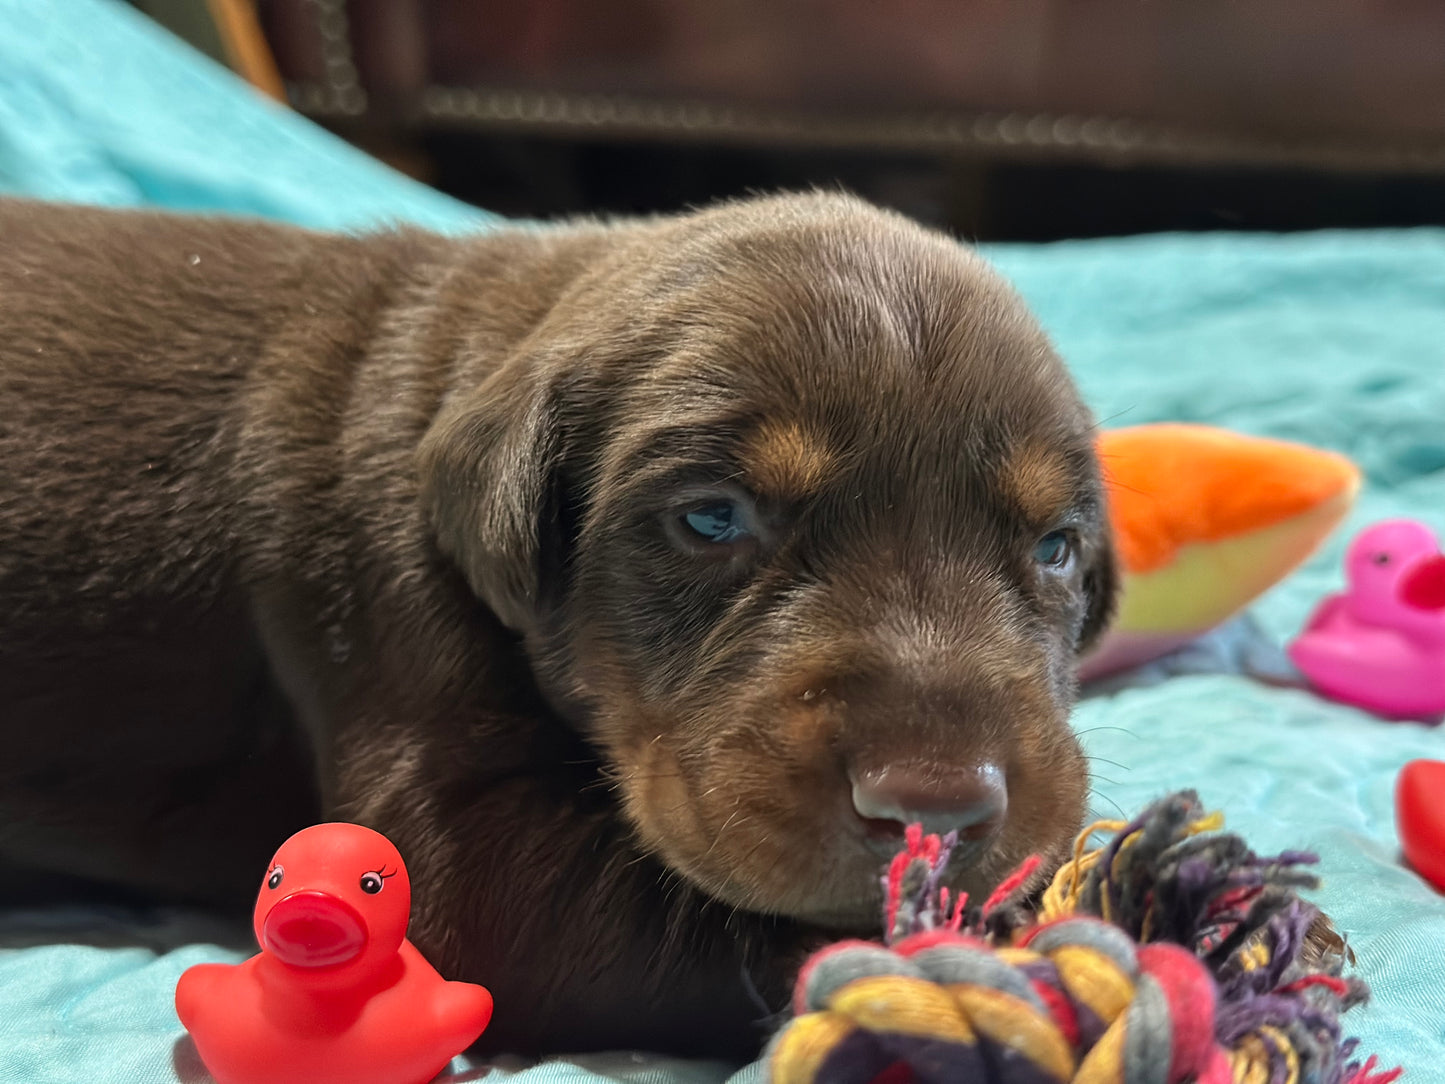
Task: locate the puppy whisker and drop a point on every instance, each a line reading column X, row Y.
column 736, row 813
column 1117, row 807
column 1106, row 760
column 1118, row 729
column 1103, row 422
column 615, row 781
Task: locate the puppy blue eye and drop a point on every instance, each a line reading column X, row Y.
column 1054, row 549
column 720, row 522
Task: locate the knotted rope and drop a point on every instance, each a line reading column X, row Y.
column 1172, row 955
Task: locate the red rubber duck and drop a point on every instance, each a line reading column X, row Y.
column 337, row 992
column 1420, row 818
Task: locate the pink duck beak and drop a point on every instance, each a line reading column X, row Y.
column 314, row 929
column 1423, row 584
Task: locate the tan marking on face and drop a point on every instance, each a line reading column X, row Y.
column 658, row 801
column 783, row 460
column 1039, row 481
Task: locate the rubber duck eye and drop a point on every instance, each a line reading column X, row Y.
column 1381, row 558
column 371, row 883
column 274, row 881
column 1054, row 550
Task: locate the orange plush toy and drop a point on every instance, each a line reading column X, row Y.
column 1205, row 520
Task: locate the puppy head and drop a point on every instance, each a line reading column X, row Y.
column 798, row 515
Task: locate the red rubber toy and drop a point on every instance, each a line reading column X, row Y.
column 1420, row 818
column 337, row 993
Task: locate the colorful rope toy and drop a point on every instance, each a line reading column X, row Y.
column 1172, row 955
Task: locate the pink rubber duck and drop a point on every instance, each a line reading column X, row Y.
column 1381, row 644
column 337, row 992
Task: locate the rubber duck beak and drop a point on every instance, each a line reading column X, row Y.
column 313, row 929
column 1423, row 584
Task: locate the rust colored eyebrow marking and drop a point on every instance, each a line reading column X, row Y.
column 1039, row 481
column 782, row 460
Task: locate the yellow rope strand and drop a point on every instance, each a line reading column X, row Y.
column 1062, row 896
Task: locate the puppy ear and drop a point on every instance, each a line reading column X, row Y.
column 489, row 465
column 1101, row 589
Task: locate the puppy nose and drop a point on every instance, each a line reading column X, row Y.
column 971, row 801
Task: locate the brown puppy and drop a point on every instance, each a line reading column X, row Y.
column 638, row 580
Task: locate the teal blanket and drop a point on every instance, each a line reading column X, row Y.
column 1337, row 339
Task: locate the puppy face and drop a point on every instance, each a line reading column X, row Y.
column 798, row 514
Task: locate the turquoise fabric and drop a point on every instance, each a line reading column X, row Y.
column 1333, row 338
column 99, row 105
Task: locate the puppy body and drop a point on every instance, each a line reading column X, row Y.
column 387, row 529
